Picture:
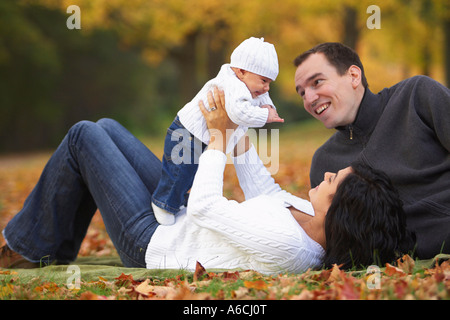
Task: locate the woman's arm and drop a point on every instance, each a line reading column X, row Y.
column 254, row 178
column 262, row 227
column 207, row 188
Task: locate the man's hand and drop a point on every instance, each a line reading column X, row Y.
column 273, row 114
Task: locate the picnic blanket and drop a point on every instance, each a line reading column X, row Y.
column 90, row 269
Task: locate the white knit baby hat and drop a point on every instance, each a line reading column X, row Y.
column 256, row 56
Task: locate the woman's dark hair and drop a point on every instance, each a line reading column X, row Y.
column 365, row 223
column 338, row 55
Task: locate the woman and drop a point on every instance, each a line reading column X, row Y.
column 365, row 222
column 101, row 165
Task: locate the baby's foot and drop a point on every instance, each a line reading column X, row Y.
column 163, row 217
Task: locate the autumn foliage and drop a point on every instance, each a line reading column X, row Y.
column 396, row 282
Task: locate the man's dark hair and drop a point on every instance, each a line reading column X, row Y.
column 365, row 223
column 338, row 55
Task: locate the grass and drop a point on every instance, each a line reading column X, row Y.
column 406, row 280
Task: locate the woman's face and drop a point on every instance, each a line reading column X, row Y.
column 322, row 195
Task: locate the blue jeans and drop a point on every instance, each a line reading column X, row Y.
column 97, row 165
column 179, row 165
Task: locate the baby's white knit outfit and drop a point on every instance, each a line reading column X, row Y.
column 240, row 106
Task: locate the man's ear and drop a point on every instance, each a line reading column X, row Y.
column 355, row 73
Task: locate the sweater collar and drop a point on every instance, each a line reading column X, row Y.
column 369, row 112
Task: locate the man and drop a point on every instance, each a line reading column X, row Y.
column 403, row 130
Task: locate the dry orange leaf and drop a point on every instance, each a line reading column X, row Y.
column 406, row 263
column 393, row 271
column 144, row 288
column 258, row 284
column 199, row 271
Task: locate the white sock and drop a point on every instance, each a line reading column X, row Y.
column 164, row 217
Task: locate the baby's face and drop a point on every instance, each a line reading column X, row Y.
column 257, row 84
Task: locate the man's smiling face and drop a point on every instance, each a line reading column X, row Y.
column 329, row 97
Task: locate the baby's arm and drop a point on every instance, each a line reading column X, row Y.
column 244, row 113
column 266, row 102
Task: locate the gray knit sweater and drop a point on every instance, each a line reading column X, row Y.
column 404, row 131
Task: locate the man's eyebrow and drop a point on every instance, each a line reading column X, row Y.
column 315, row 75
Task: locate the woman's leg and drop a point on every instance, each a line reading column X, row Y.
column 88, row 170
column 137, row 154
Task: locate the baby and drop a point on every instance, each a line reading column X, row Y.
column 245, row 82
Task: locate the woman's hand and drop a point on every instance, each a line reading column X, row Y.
column 217, row 120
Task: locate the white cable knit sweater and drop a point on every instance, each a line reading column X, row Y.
column 241, row 107
column 259, row 233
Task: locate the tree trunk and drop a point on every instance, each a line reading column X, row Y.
column 351, row 30
column 446, row 27
column 185, row 57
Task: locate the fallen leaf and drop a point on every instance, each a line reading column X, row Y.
column 8, row 272
column 400, row 288
column 349, row 291
column 336, row 274
column 249, row 275
column 6, row 290
column 184, row 292
column 304, row 295
column 406, row 263
column 393, row 271
column 88, row 295
column 199, row 271
column 258, row 284
column 124, row 292
column 47, row 287
column 125, row 280
column 240, row 293
column 144, row 288
column 230, row 275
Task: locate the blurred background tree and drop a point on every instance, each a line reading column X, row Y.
column 139, row 61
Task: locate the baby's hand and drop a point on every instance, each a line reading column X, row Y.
column 273, row 114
